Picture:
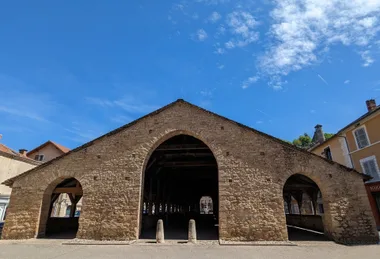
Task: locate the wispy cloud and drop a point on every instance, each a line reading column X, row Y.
column 220, row 66
column 243, row 25
column 214, row 17
column 250, row 81
column 122, row 119
column 259, row 122
column 219, row 51
column 323, row 80
column 22, row 113
column 200, row 35
column 312, row 111
column 346, row 82
column 302, row 30
column 127, row 103
column 367, row 59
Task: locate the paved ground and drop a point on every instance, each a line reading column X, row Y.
column 49, row 249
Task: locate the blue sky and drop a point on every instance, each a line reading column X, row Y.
column 71, row 71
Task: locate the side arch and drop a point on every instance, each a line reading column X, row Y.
column 68, row 185
column 295, row 187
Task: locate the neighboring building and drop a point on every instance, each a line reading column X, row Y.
column 170, row 159
column 12, row 163
column 357, row 145
column 44, row 153
column 47, row 151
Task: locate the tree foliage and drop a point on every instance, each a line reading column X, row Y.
column 303, row 141
column 328, row 135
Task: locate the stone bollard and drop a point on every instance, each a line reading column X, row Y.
column 160, row 232
column 192, row 231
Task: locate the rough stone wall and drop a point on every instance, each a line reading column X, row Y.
column 252, row 172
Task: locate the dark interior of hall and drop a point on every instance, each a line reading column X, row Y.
column 181, row 183
column 303, row 209
column 67, row 226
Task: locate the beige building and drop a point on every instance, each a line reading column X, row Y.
column 12, row 163
column 44, row 153
column 47, row 151
column 171, row 158
column 357, row 145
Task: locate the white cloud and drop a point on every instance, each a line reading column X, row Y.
column 242, row 25
column 219, row 51
column 302, row 29
column 220, row 66
column 123, row 119
column 212, row 2
column 259, row 122
column 312, row 111
column 127, row 103
column 367, row 59
column 201, row 35
column 214, row 17
column 346, row 82
column 250, row 81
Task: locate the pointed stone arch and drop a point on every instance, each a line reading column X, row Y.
column 149, row 162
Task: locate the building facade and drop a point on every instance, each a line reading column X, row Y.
column 168, row 160
column 47, row 151
column 357, row 146
column 12, row 163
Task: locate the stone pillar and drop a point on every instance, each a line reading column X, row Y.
column 160, row 232
column 192, row 231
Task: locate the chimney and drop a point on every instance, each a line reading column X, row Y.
column 318, row 137
column 371, row 105
column 22, row 152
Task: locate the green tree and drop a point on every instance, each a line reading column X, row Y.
column 303, row 141
column 328, row 135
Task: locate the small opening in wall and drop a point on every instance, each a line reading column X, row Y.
column 330, row 175
column 98, row 156
column 222, row 128
column 150, row 131
column 262, row 153
column 227, row 153
column 95, row 178
column 230, row 180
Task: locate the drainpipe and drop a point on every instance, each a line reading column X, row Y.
column 348, row 149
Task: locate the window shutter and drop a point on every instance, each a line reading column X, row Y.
column 371, row 169
column 361, row 138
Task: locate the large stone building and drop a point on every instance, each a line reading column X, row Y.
column 161, row 165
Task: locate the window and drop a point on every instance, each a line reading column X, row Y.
column 361, row 137
column 327, row 153
column 39, row 157
column 369, row 166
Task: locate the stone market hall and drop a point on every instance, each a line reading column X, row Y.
column 182, row 162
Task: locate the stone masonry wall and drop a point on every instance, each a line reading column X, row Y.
column 253, row 169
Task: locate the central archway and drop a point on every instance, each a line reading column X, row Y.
column 178, row 174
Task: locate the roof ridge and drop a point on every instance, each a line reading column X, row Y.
column 10, row 181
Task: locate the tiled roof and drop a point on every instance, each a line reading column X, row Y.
column 58, row 146
column 6, row 149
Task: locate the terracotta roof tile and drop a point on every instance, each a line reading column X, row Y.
column 6, row 149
